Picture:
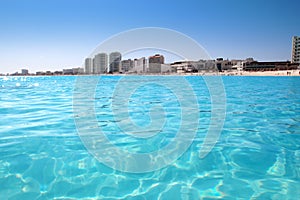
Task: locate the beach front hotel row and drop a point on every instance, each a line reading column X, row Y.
column 155, row 65
column 103, row 63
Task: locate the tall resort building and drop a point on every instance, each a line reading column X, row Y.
column 115, row 61
column 100, row 63
column 88, row 66
column 155, row 63
column 140, row 65
column 296, row 50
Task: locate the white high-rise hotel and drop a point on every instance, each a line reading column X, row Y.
column 88, row 66
column 100, row 63
column 296, row 50
column 97, row 65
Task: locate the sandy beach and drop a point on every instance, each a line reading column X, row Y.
column 263, row 73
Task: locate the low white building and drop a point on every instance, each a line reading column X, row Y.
column 194, row 66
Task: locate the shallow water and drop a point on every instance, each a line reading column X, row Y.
column 257, row 154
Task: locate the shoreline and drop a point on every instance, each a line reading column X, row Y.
column 232, row 73
column 263, row 73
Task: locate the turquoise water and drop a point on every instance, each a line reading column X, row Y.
column 257, row 155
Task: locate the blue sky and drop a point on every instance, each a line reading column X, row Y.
column 56, row 34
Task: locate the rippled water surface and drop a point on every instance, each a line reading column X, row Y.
column 257, row 155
